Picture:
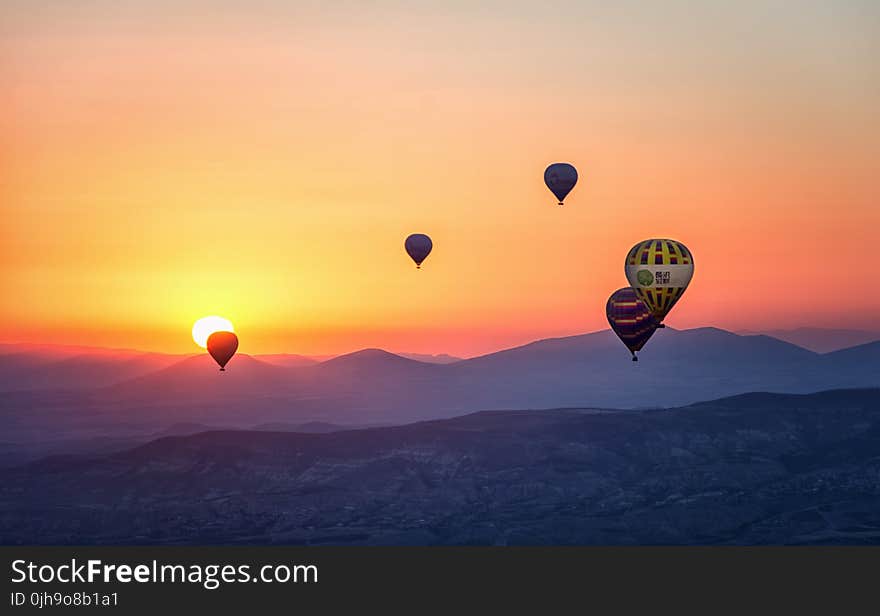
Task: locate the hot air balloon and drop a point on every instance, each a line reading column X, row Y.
column 630, row 319
column 659, row 270
column 222, row 346
column 418, row 247
column 560, row 178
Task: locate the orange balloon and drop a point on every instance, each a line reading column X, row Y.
column 222, row 346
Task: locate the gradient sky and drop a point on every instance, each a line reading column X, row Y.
column 160, row 161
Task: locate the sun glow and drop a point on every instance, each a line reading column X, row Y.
column 206, row 326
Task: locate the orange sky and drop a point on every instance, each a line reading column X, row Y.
column 264, row 161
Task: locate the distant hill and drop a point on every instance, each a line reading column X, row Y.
column 370, row 361
column 855, row 366
column 677, row 367
column 28, row 367
column 752, row 469
column 199, row 379
column 822, row 340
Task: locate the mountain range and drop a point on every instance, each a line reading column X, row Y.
column 70, row 396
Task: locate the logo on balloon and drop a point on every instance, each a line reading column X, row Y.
column 644, row 277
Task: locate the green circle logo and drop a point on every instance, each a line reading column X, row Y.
column 645, row 277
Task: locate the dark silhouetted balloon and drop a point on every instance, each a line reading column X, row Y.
column 418, row 247
column 222, row 346
column 630, row 319
column 560, row 178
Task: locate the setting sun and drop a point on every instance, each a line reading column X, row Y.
column 206, row 326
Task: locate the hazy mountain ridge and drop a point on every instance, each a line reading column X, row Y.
column 39, row 367
column 27, row 367
column 751, row 469
column 821, row 340
column 373, row 386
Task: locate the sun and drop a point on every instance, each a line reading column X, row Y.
column 206, row 326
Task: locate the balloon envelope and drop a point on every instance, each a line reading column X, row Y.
column 630, row 319
column 222, row 346
column 659, row 270
column 560, row 178
column 418, row 247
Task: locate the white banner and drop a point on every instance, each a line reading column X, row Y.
column 662, row 276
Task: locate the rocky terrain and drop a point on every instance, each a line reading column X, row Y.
column 752, row 469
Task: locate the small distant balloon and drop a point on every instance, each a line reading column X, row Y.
column 418, row 247
column 659, row 270
column 560, row 178
column 630, row 319
column 222, row 346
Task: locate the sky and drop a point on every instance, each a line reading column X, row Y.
column 264, row 161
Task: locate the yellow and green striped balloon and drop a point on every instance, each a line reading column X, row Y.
column 659, row 270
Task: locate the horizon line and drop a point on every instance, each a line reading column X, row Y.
column 320, row 357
